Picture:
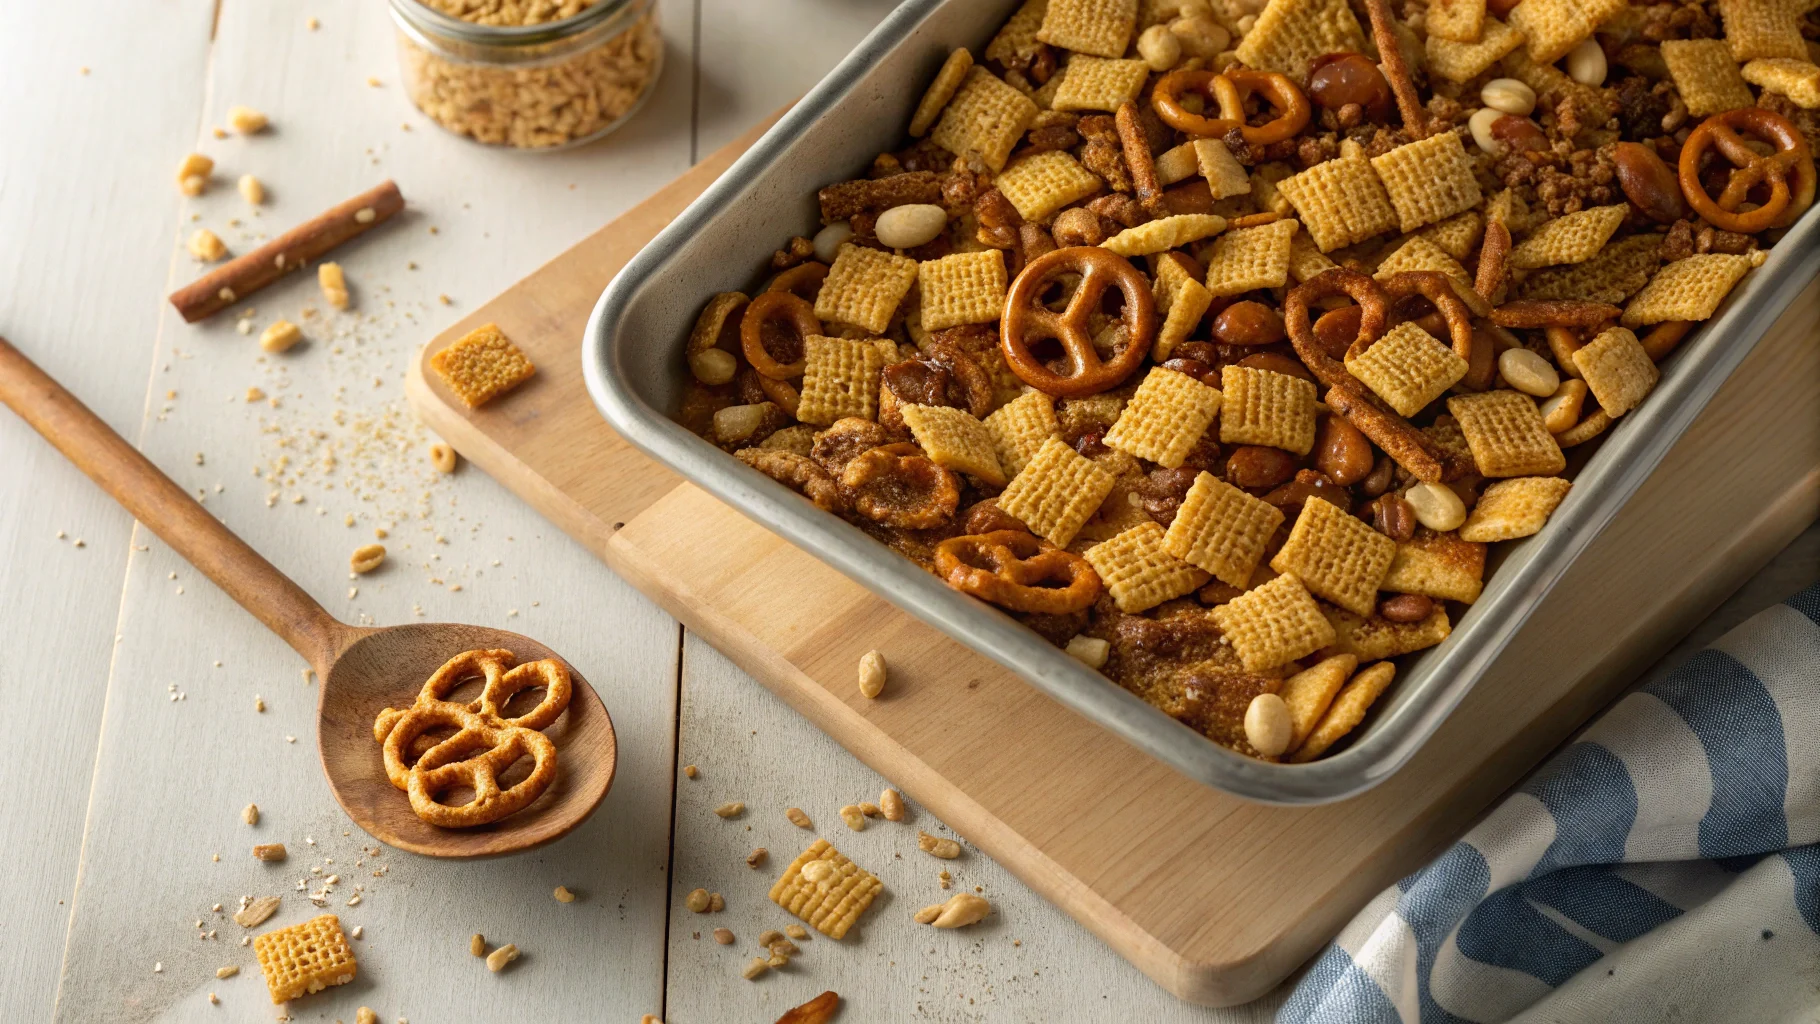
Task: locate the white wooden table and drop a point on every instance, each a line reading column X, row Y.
column 132, row 682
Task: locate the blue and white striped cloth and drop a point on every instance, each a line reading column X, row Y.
column 1665, row 866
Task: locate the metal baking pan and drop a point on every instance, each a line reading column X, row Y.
column 635, row 372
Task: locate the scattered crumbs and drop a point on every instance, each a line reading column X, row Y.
column 80, row 543
column 258, row 703
column 359, row 930
column 84, row 69
column 374, row 82
column 290, row 739
column 511, row 613
column 444, row 299
column 312, row 24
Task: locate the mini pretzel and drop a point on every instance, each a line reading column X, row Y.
column 803, row 280
column 1374, row 307
column 900, row 486
column 1534, row 313
column 1014, row 570
column 776, row 305
column 1229, row 90
column 1396, row 69
column 478, row 726
column 1789, row 173
column 1025, row 316
column 1436, row 288
column 1407, row 446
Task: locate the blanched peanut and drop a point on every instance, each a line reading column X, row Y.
column 207, row 246
column 697, row 901
column 1089, row 651
column 961, row 910
column 245, row 120
column 737, row 422
column 1586, row 62
column 499, row 958
column 854, row 818
column 1436, row 506
column 1509, row 96
column 252, row 189
column 1562, row 410
column 829, row 240
column 946, row 849
column 280, row 336
column 713, row 366
column 193, row 174
column 1267, row 725
column 1200, row 36
column 1528, row 372
column 1480, row 124
column 366, row 559
column 478, row 945
column 911, row 225
column 872, row 674
column 891, row 805
column 334, row 284
column 1159, row 47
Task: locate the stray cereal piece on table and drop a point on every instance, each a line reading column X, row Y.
column 1222, row 529
column 1056, row 492
column 954, row 439
column 964, row 288
column 1463, row 62
column 1095, row 83
column 1341, row 201
column 1617, row 370
column 1310, row 692
column 986, row 117
column 1408, row 368
column 1099, row 27
column 1438, row 565
column 1571, row 238
column 1165, row 417
column 1274, row 624
column 1346, row 712
column 305, row 957
column 841, row 378
column 1514, row 508
column 1506, row 434
column 1705, row 76
column 1164, row 234
column 1250, row 258
column 1267, row 408
column 1336, row 555
column 947, row 81
column 864, row 287
column 1428, row 180
column 1290, row 34
column 482, row 365
column 1687, row 289
column 1139, row 573
column 1042, row 183
column 830, row 897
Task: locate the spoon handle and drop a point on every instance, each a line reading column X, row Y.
column 153, row 499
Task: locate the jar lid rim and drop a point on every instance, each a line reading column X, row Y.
column 421, row 15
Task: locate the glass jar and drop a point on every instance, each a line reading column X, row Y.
column 534, row 86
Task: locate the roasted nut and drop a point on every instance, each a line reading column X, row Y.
column 1160, row 48
column 869, row 809
column 1586, row 62
column 911, row 225
column 1518, row 134
column 697, row 900
column 872, row 674
column 1480, row 125
column 442, row 457
column 935, row 846
column 1382, row 475
column 1341, row 452
column 1077, row 226
column 927, row 914
column 478, row 945
column 251, row 814
column 333, row 283
column 1509, row 96
column 782, row 947
column 803, row 475
column 1267, row 725
column 732, row 809
column 797, row 817
column 891, row 805
column 1528, row 372
column 193, row 174
column 1090, row 651
column 829, row 240
column 1406, row 608
column 365, row 559
column 1648, row 182
column 754, row 967
column 1200, row 36
column 1393, row 517
column 1248, row 323
column 1257, row 467
column 713, row 366
column 499, row 958
column 1277, row 362
column 796, row 931
column 961, row 910
column 269, row 852
column 757, row 857
column 724, row 936
column 1436, row 506
column 715, row 903
column 854, row 818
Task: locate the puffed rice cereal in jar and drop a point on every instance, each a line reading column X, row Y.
column 533, row 74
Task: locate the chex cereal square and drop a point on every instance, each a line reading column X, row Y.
column 947, row 82
column 1617, row 370
column 1017, row 39
column 1274, row 624
column 1457, row 235
column 1306, row 259
column 1506, row 434
column 1371, row 637
column 1438, row 565
column 482, row 365
column 1138, row 572
column 1099, row 27
column 1346, row 712
column 1459, row 20
column 986, row 117
column 1570, row 238
column 1615, row 274
column 1463, row 62
column 1250, row 258
column 1097, row 83
column 1289, row 34
column 1340, row 201
column 1056, row 491
column 1705, row 76
column 1762, row 28
column 1799, row 80
column 864, row 287
column 1226, row 177
column 1421, row 253
column 953, row 438
column 1336, row 555
column 840, row 378
column 1408, row 367
column 830, row 898
column 1261, row 407
column 1514, row 508
column 1553, row 27
column 1181, row 301
column 1019, row 428
column 1222, row 529
column 1687, row 289
column 1165, row 417
column 305, row 957
column 964, row 288
column 1042, row 183
column 1428, row 180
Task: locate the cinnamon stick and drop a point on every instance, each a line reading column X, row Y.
column 244, row 275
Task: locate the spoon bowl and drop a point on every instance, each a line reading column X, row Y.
column 364, row 670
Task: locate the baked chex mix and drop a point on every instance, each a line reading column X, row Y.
column 1193, row 400
column 825, row 889
column 305, row 957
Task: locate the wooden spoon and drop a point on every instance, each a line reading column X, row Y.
column 363, row 670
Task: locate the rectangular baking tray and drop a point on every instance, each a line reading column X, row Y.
column 635, row 372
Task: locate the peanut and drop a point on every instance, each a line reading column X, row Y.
column 499, row 958
column 872, row 674
column 245, row 120
column 732, row 809
column 333, row 283
column 797, row 817
column 1160, row 48
column 891, row 805
column 478, row 945
column 946, row 849
column 207, row 246
column 1436, row 506
column 269, row 852
column 1267, row 725
column 366, row 558
column 1089, row 651
column 757, row 857
column 280, row 337
column 854, row 818
column 697, row 900
column 961, row 910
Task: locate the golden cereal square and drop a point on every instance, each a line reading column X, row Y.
column 1570, row 238
column 1615, row 274
column 986, row 117
column 1550, row 27
column 1341, row 201
column 965, row 288
column 1291, row 33
column 1262, row 407
column 1457, row 235
column 840, row 378
column 305, row 957
column 1451, row 440
column 1408, row 367
column 1336, row 555
column 864, row 287
column 1420, row 253
column 1438, row 565
column 1017, row 38
column 953, row 438
column 947, row 82
column 1138, row 572
column 1762, row 28
column 482, row 365
column 1042, row 183
column 1222, row 529
column 1019, row 428
column 1617, row 370
column 1181, row 301
column 1508, row 208
column 1164, row 233
column 1346, row 712
column 1514, row 508
column 1799, row 80
column 831, row 903
column 1056, row 491
column 1505, row 432
column 1097, row 83
column 1099, row 27
column 1306, row 259
column 1226, row 177
column 1705, row 75
column 1687, row 289
column 1165, row 417
column 1250, row 258
column 1274, row 624
column 1463, row 62
column 1459, row 20
column 1177, row 163
column 1428, row 180
column 1373, row 637
column 1309, row 692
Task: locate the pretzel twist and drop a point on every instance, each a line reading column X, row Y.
column 1228, row 90
column 1026, row 319
column 777, row 305
column 1010, row 568
column 1789, row 172
column 1374, row 306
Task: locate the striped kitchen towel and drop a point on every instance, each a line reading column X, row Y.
column 1664, row 867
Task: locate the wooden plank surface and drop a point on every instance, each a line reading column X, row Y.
column 978, row 746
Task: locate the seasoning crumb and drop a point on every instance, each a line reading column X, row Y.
column 732, row 809
column 251, row 814
column 756, row 857
column 688, row 769
column 563, row 895
column 478, row 945
column 499, row 958
column 226, row 972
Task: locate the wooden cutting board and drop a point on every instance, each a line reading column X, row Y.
column 1215, row 898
